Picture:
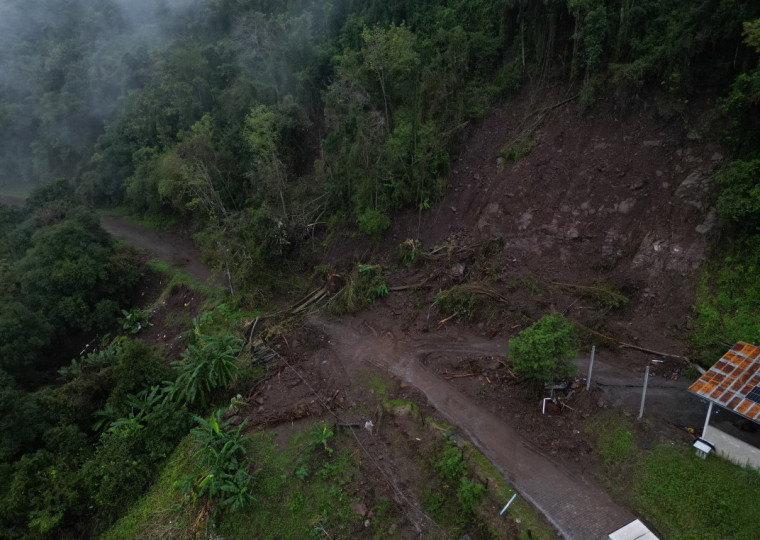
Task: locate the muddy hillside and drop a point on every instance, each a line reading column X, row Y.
column 598, row 199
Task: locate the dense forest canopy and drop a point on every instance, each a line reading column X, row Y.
column 252, row 122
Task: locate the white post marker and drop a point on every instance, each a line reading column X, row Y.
column 507, row 506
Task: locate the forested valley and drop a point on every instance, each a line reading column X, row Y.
column 256, row 126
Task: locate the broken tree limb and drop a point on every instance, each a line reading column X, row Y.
column 624, row 345
column 447, row 319
column 650, row 351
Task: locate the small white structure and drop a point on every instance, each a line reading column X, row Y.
column 635, row 530
column 734, row 384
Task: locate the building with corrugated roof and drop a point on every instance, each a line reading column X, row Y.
column 732, row 389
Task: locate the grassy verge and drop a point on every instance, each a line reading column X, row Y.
column 676, row 493
column 158, row 513
column 728, row 300
column 301, row 491
column 151, row 221
column 214, row 293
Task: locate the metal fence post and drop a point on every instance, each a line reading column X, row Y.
column 644, row 393
column 590, row 367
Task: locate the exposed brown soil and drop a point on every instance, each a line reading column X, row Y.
column 602, row 201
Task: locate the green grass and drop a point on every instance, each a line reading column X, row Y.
column 614, row 433
column 298, row 492
column 685, row 497
column 157, row 514
column 517, row 148
column 214, row 293
column 675, row 492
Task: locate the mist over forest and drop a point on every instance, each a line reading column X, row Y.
column 256, row 126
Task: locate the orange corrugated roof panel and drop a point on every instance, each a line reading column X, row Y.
column 734, row 381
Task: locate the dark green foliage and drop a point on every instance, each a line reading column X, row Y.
column 544, row 352
column 739, row 200
column 23, row 334
column 126, row 458
column 20, row 419
column 373, row 224
column 728, row 300
column 135, row 367
column 45, row 492
column 65, row 272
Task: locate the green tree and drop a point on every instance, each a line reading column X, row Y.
column 390, row 54
column 544, row 352
column 65, row 272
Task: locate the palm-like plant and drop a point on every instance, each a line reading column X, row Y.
column 220, row 474
column 206, row 365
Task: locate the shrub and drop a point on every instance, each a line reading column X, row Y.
column 205, row 367
column 469, row 494
column 739, row 200
column 134, row 320
column 451, row 466
column 545, row 350
column 373, row 224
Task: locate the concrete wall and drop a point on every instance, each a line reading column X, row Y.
column 731, row 448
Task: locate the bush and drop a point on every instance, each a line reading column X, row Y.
column 373, row 224
column 205, row 367
column 135, row 367
column 545, row 350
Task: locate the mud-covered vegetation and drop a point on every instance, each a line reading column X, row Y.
column 264, row 128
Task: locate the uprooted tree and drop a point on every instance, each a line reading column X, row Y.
column 544, row 351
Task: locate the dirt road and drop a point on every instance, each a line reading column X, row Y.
column 166, row 246
column 576, row 506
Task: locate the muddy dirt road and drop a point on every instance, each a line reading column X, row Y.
column 166, row 246
column 576, row 506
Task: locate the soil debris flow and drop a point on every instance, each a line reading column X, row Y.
column 577, row 507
